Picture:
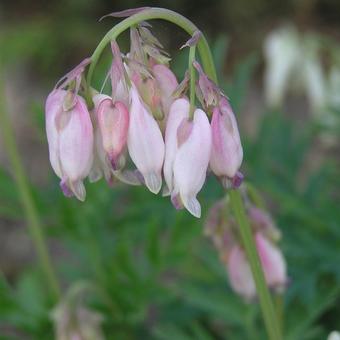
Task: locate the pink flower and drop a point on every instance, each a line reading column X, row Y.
column 113, row 122
column 70, row 139
column 188, row 145
column 178, row 112
column 226, row 151
column 273, row 263
column 145, row 143
column 240, row 275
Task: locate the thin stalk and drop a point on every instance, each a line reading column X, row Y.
column 279, row 306
column 266, row 303
column 34, row 224
column 192, row 52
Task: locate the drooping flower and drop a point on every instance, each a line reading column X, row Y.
column 226, row 151
column 273, row 263
column 188, row 152
column 178, row 112
column 240, row 275
column 113, row 122
column 70, row 139
column 100, row 166
column 145, row 143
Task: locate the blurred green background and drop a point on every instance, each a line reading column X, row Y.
column 155, row 275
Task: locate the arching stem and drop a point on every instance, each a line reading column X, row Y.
column 149, row 14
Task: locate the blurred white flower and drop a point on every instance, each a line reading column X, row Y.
column 314, row 78
column 334, row 336
column 293, row 61
column 282, row 54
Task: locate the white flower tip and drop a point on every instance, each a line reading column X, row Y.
column 78, row 189
column 165, row 191
column 95, row 174
column 153, row 182
column 130, row 177
column 192, row 205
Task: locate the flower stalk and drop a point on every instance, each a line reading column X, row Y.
column 149, row 14
column 34, row 224
column 267, row 307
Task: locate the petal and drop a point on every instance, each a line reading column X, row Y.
column 273, row 263
column 76, row 143
column 226, row 152
column 167, row 83
column 53, row 109
column 192, row 161
column 78, row 189
column 113, row 121
column 240, row 275
column 192, row 205
column 179, row 110
column 145, row 143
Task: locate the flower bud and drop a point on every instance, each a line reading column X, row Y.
column 145, row 143
column 70, row 140
column 117, row 74
column 167, row 84
column 113, row 122
column 273, row 263
column 262, row 221
column 226, row 151
column 150, row 93
column 189, row 154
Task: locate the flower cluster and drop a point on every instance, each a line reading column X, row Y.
column 222, row 229
column 148, row 119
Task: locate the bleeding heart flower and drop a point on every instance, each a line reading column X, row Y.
column 70, row 140
column 145, row 143
column 226, row 151
column 273, row 262
column 188, row 145
column 240, row 275
column 113, row 122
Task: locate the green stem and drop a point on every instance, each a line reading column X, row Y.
column 266, row 303
column 192, row 52
column 149, row 14
column 34, row 225
column 279, row 311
